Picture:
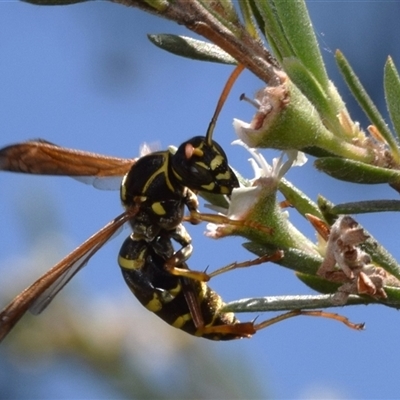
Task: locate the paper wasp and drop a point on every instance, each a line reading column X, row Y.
column 154, row 191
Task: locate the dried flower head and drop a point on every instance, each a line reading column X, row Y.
column 345, row 262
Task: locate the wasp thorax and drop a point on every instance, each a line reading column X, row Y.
column 203, row 167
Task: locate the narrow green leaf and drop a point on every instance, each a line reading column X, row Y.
column 366, row 103
column 265, row 11
column 326, row 207
column 323, row 97
column 302, row 203
column 255, row 14
column 286, row 303
column 290, row 34
column 392, row 93
column 248, row 18
column 191, row 48
column 298, row 31
column 393, row 299
column 367, row 206
column 355, row 171
column 294, row 259
column 381, row 256
column 323, row 286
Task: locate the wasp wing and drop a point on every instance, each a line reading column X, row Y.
column 45, row 158
column 60, row 275
column 45, row 298
column 101, row 182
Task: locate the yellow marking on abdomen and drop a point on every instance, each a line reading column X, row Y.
column 154, row 305
column 135, row 264
column 175, row 291
column 180, row 321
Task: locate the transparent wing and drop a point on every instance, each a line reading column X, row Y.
column 44, row 299
column 58, row 276
column 101, row 183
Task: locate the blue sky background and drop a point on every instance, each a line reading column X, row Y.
column 86, row 77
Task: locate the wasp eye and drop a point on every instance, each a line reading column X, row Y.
column 194, row 170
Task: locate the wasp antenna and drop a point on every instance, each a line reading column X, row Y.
column 225, row 92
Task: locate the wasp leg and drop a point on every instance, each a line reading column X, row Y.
column 276, row 256
column 239, row 330
column 175, row 261
column 192, row 204
column 312, row 313
column 171, row 266
column 207, row 318
column 222, row 219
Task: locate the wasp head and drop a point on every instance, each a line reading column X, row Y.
column 203, row 166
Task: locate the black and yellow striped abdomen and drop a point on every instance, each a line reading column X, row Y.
column 164, row 293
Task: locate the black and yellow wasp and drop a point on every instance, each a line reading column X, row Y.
column 155, row 190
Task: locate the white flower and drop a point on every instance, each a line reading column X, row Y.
column 264, row 184
column 279, row 167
